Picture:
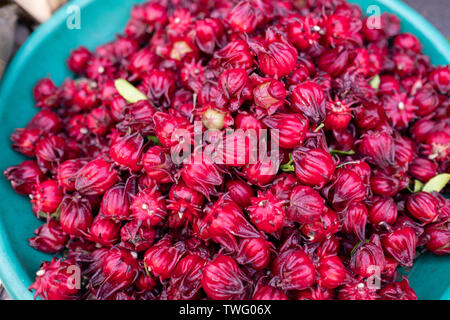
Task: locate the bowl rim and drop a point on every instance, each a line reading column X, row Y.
column 12, row 273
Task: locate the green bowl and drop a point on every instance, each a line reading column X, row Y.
column 44, row 54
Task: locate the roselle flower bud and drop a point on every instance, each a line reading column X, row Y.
column 166, row 124
column 154, row 14
column 54, row 280
column 292, row 128
column 407, row 42
column 202, row 176
column 361, row 168
column 315, row 293
column 324, row 228
column 225, row 221
column 355, row 220
column 368, row 258
column 104, row 231
column 329, row 247
column 49, row 238
column 332, row 272
column 50, row 150
column 423, row 206
column 262, row 172
column 46, row 197
column 139, row 118
column 438, row 235
column 145, row 283
column 440, row 78
column 120, row 269
column 158, row 164
column 127, row 151
column 348, row 187
column 386, row 185
column 269, row 95
column 306, row 205
column 277, row 59
column 404, row 151
column 184, row 202
column 379, row 148
column 283, row 186
column 240, row 192
column 313, row 167
column 78, row 59
column 357, row 290
column 76, row 215
column 96, row 177
column 161, row 259
column 369, row 116
column 338, row 115
column 25, row 141
column 437, row 146
column 236, row 54
column 422, row 169
column 426, row 99
column 223, row 280
column 186, row 279
column 45, row 93
column 400, row 244
column 382, row 210
column 334, row 61
column 268, row 293
column 159, row 86
column 399, row 290
column 245, row 17
column 149, row 207
column 293, row 270
column 267, row 212
column 142, row 62
column 254, row 252
column 247, row 121
column 45, row 120
column 116, row 203
column 208, row 33
column 85, row 96
column 232, row 82
column 303, row 31
column 136, row 236
column 66, row 173
column 99, row 121
column 24, row 176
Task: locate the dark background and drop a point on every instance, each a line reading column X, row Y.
column 435, row 11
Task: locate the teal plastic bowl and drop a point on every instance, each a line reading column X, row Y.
column 45, row 53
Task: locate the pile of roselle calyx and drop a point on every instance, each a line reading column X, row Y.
column 362, row 136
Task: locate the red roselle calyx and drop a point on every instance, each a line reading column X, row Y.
column 308, row 98
column 423, row 206
column 293, row 270
column 400, row 244
column 96, row 177
column 313, row 167
column 223, row 280
column 54, row 280
column 368, row 258
column 267, row 212
column 305, row 205
column 24, row 176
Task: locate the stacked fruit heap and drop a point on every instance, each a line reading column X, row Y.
column 364, row 152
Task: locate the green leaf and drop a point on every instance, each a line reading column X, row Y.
column 128, row 91
column 346, row 153
column 437, row 183
column 375, row 82
column 418, row 185
column 154, row 139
